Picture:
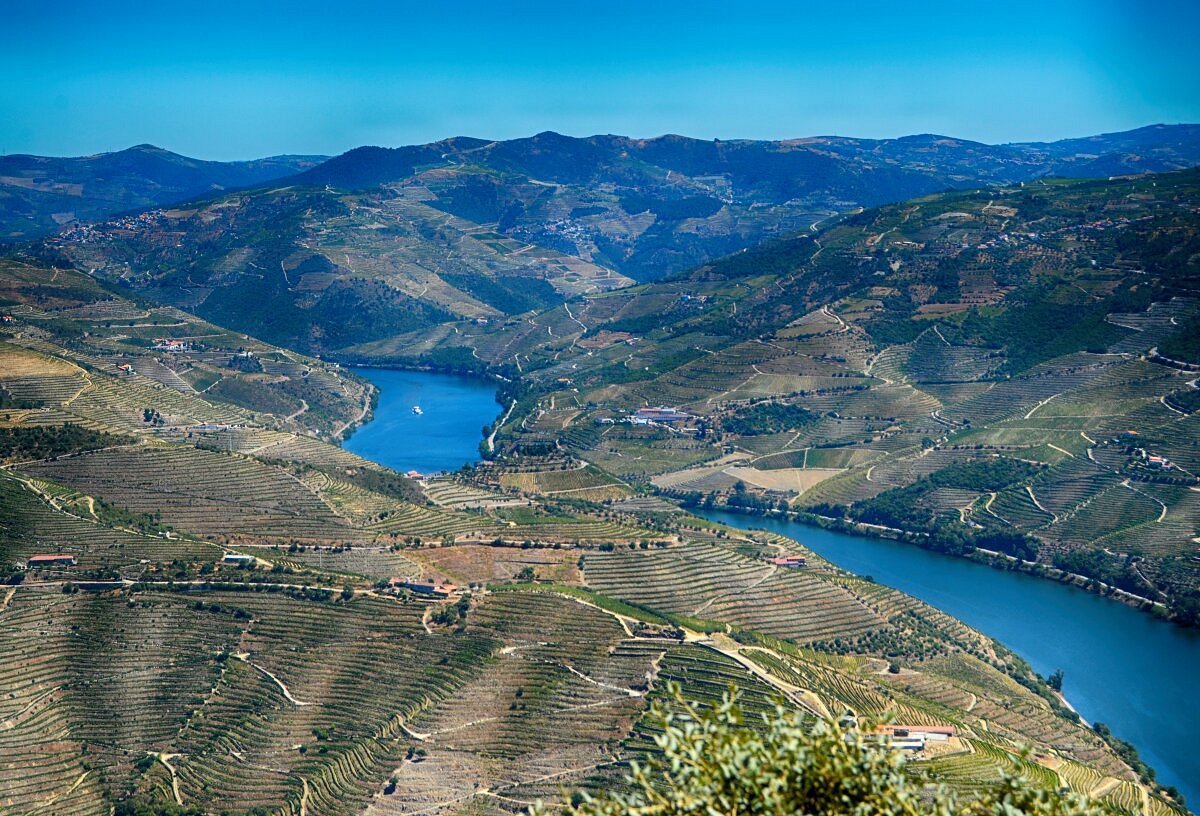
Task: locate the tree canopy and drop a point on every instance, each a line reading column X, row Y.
column 716, row 760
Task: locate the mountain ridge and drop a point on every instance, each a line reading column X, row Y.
column 467, row 228
column 40, row 194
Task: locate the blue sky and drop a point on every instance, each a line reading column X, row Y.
column 238, row 80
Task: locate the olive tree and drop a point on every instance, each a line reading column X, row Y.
column 712, row 763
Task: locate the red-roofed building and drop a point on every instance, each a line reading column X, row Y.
column 425, row 587
column 36, row 561
column 661, row 414
column 793, row 561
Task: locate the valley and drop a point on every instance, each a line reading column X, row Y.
column 988, row 380
column 243, row 574
column 227, row 599
column 386, row 243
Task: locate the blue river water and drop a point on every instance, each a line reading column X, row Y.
column 444, row 436
column 1122, row 667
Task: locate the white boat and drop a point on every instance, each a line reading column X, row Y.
column 416, row 409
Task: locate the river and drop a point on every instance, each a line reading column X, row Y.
column 443, row 437
column 1122, row 667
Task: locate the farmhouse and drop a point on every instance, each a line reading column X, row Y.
column 425, row 587
column 238, row 559
column 167, row 344
column 794, row 561
column 36, row 561
column 660, row 414
column 913, row 737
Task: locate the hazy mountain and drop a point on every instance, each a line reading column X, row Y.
column 650, row 207
column 1151, row 149
column 39, row 194
column 380, row 242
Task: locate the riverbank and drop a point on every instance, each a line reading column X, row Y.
column 364, row 416
column 1128, row 670
column 991, row 558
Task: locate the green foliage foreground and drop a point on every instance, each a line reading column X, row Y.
column 714, row 762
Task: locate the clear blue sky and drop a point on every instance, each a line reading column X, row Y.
column 237, row 80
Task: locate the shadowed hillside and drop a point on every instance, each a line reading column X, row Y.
column 41, row 194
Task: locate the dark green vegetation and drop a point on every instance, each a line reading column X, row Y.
column 1184, row 345
column 19, row 444
column 229, row 637
column 914, row 508
column 768, row 418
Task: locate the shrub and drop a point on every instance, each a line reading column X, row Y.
column 712, row 763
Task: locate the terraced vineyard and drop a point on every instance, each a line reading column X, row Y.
column 199, row 491
column 235, row 614
column 916, row 338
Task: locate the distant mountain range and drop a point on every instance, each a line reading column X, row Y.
column 379, row 241
column 39, row 194
column 650, row 207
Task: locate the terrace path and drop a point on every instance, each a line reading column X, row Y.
column 732, row 649
column 165, row 759
column 771, row 570
column 245, row 658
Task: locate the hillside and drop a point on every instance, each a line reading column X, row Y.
column 650, row 207
column 1012, row 370
column 220, row 632
column 41, row 194
column 318, row 270
column 408, row 238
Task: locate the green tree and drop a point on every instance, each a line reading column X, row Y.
column 713, row 763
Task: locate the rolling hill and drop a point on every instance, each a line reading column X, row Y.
column 402, row 239
column 216, row 630
column 1010, row 370
column 41, row 194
